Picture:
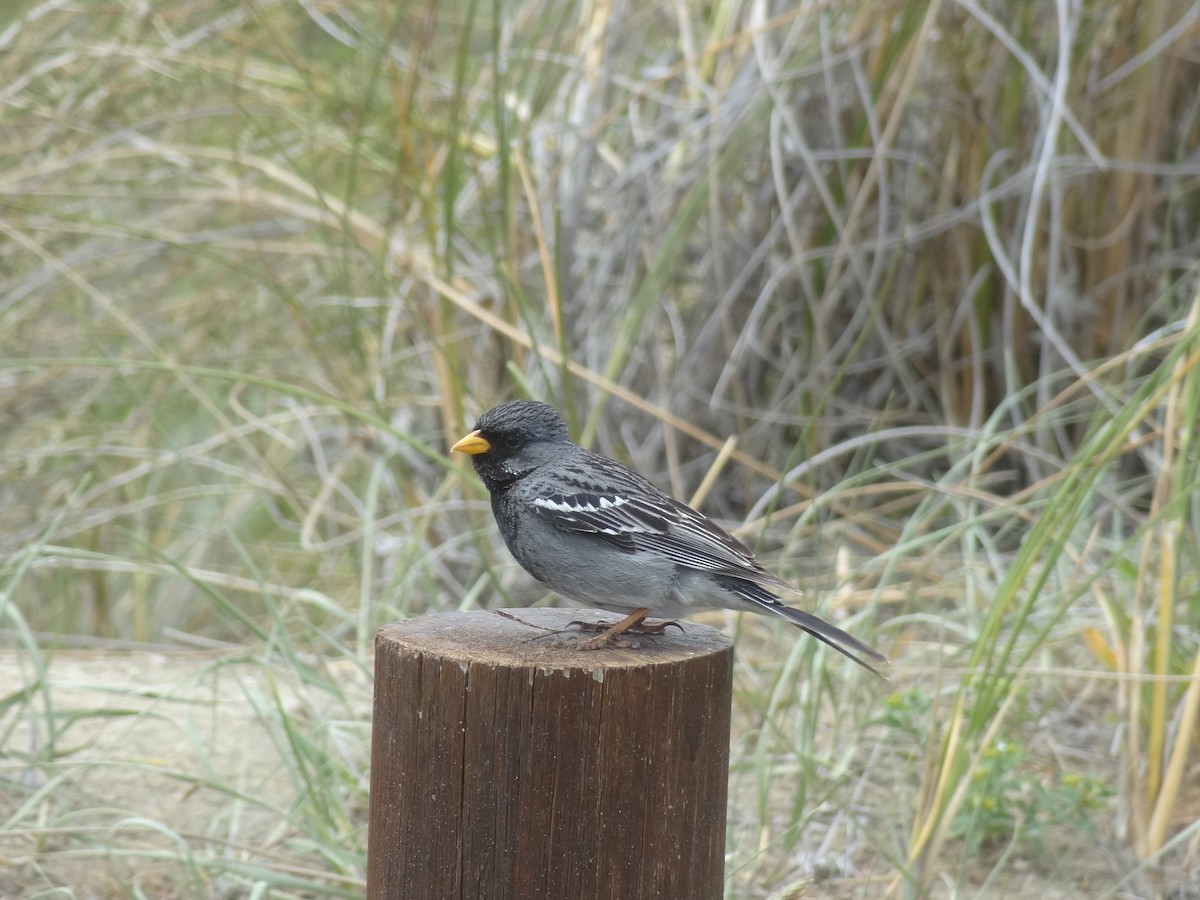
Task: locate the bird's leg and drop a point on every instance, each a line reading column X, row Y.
column 644, row 628
column 610, row 635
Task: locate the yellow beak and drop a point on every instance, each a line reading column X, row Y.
column 473, row 444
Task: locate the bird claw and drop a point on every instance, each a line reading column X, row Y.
column 643, row 628
column 610, row 636
column 606, row 641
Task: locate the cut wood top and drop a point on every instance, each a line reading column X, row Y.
column 542, row 638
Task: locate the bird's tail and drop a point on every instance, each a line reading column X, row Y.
column 841, row 641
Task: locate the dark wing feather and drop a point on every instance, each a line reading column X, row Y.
column 598, row 496
column 830, row 635
column 604, row 498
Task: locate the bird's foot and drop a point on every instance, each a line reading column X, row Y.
column 643, row 628
column 620, row 634
column 606, row 641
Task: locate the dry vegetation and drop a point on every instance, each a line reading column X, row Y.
column 918, row 278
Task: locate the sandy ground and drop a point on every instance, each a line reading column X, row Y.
column 146, row 744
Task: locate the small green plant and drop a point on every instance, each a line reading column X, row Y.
column 907, row 711
column 1009, row 801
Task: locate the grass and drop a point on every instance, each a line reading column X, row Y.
column 907, row 291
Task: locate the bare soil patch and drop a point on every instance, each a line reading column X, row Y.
column 147, row 749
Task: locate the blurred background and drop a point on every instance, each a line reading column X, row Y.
column 905, row 292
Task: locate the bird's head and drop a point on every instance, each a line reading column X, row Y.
column 514, row 438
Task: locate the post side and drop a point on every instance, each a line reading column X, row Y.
column 507, row 764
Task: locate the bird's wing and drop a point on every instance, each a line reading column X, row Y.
column 620, row 507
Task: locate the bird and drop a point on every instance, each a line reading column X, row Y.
column 598, row 533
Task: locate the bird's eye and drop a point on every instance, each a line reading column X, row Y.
column 506, row 441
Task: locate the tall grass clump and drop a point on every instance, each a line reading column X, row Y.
column 907, row 291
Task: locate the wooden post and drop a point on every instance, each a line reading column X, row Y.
column 507, row 765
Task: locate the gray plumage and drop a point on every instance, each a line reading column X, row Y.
column 600, row 534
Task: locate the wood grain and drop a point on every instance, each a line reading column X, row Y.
column 507, row 765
